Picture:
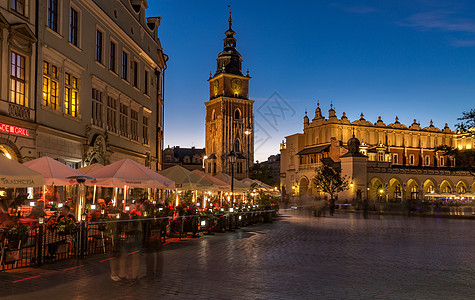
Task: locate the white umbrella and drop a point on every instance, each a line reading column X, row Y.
column 127, row 172
column 53, row 171
column 15, row 175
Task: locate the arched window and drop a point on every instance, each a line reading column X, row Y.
column 427, row 160
column 397, row 193
column 237, row 114
column 213, row 115
column 415, row 192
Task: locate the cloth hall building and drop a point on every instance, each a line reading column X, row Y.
column 393, row 162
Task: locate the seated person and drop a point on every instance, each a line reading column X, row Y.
column 66, row 212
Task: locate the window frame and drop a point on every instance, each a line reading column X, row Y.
column 124, row 119
column 99, row 53
column 135, row 73
column 113, row 58
column 145, row 129
column 22, row 80
column 146, row 88
column 97, row 107
column 55, row 14
column 134, row 124
column 77, row 28
column 52, row 80
column 73, row 88
column 125, row 66
column 112, row 110
column 411, row 159
column 14, row 6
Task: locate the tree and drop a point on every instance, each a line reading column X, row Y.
column 329, row 180
column 468, row 120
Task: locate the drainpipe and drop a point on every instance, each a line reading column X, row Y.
column 162, row 116
column 36, row 58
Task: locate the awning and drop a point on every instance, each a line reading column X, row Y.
column 313, row 150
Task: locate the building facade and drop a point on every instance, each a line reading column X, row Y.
column 189, row 158
column 95, row 91
column 229, row 114
column 394, row 163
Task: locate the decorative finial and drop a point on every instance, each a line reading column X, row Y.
column 344, row 115
column 397, row 119
column 230, row 20
column 210, row 74
column 353, row 132
column 247, row 73
column 379, row 118
column 318, row 104
column 362, row 116
column 431, row 123
column 331, row 104
column 305, row 112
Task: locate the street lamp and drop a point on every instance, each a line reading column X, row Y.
column 232, row 156
column 247, row 133
column 204, row 158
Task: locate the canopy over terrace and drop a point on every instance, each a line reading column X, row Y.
column 258, row 184
column 53, row 171
column 15, row 175
column 127, row 172
column 220, row 185
column 239, row 187
column 91, row 168
column 187, row 180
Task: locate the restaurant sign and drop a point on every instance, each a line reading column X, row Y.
column 14, row 130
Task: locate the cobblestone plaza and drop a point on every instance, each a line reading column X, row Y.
column 297, row 256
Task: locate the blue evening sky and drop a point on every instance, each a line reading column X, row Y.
column 410, row 58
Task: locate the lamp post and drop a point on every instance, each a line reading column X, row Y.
column 232, row 156
column 204, row 158
column 247, row 133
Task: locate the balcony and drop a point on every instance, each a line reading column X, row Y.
column 304, row 167
column 16, row 111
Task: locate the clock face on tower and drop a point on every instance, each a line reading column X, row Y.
column 236, row 84
column 215, row 87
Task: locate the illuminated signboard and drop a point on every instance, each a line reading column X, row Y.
column 14, row 130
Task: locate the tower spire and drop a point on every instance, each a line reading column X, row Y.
column 230, row 20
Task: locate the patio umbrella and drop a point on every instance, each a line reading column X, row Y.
column 91, row 168
column 15, row 175
column 53, row 171
column 220, row 185
column 187, row 180
column 127, row 172
column 239, row 187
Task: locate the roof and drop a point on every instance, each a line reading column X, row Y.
column 312, row 150
column 182, row 152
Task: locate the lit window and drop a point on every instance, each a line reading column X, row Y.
column 380, row 156
column 74, row 27
column 18, row 6
column 71, row 95
column 53, row 14
column 50, row 85
column 17, row 79
column 99, row 46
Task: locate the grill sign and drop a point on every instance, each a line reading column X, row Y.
column 14, row 130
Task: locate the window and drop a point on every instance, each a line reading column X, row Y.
column 415, row 192
column 168, row 158
column 397, row 193
column 97, row 107
column 380, row 156
column 99, row 46
column 71, row 95
column 136, row 74
column 74, row 27
column 111, row 114
column 145, row 79
column 124, row 118
column 124, row 65
column 18, row 6
column 411, row 159
column 395, row 161
column 17, row 79
column 427, row 160
column 113, row 57
column 145, row 129
column 53, row 14
column 134, row 124
column 237, row 114
column 441, row 161
column 50, row 85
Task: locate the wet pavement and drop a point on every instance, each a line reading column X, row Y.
column 297, row 256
